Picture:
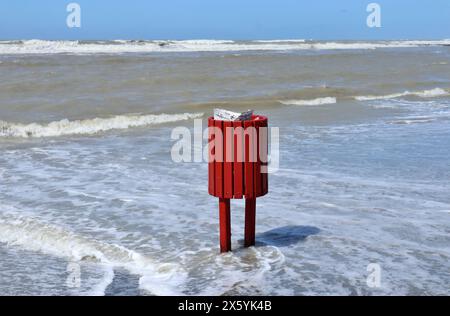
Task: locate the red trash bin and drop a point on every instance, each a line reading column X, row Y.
column 237, row 155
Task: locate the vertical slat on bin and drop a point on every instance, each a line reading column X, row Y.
column 257, row 181
column 228, row 159
column 225, row 225
column 211, row 166
column 250, row 222
column 218, row 141
column 238, row 163
column 248, row 165
column 265, row 175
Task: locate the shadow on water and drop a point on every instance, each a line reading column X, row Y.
column 286, row 235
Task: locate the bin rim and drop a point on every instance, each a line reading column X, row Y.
column 255, row 118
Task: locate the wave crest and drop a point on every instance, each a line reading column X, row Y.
column 31, row 234
column 145, row 46
column 89, row 126
column 424, row 94
column 312, row 102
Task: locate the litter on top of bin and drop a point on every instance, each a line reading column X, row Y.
column 225, row 115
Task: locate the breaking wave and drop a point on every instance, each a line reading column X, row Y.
column 281, row 41
column 424, row 94
column 436, row 92
column 144, row 46
column 31, row 234
column 89, row 126
column 318, row 101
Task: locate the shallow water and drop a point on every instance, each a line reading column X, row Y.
column 95, row 205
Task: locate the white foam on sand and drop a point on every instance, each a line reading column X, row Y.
column 436, row 92
column 33, row 235
column 89, row 126
column 311, row 102
column 126, row 46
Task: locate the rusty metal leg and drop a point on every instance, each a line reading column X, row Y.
column 225, row 225
column 250, row 222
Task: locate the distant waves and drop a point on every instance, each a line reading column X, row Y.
column 144, row 46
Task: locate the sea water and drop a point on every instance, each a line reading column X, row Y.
column 91, row 202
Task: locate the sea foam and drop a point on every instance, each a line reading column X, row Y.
column 128, row 46
column 34, row 235
column 424, row 94
column 312, row 102
column 89, row 126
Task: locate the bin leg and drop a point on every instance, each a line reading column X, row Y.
column 225, row 225
column 250, row 222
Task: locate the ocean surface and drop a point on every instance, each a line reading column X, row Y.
column 91, row 202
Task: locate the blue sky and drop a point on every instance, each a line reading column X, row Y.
column 225, row 19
